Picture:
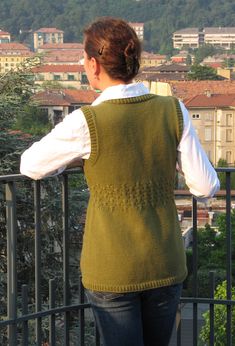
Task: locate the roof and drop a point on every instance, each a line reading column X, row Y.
column 13, row 46
column 58, row 68
column 148, row 55
column 211, row 101
column 155, row 77
column 65, row 97
column 4, row 33
column 48, row 30
column 56, row 46
column 187, row 31
column 169, row 68
column 187, row 89
column 136, row 24
column 219, row 30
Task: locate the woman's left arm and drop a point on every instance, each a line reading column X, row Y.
column 66, row 143
column 199, row 174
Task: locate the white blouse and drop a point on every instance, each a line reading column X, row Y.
column 70, row 140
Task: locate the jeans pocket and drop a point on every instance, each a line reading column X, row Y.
column 103, row 296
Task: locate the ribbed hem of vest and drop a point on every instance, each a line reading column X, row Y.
column 133, row 99
column 180, row 118
column 90, row 118
column 135, row 287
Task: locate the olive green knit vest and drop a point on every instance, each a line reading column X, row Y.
column 132, row 237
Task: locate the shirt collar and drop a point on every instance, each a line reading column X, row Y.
column 121, row 91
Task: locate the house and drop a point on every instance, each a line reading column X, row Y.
column 47, row 35
column 66, row 75
column 213, row 116
column 62, row 53
column 5, row 37
column 12, row 54
column 151, row 59
column 59, row 103
column 165, row 72
column 139, row 29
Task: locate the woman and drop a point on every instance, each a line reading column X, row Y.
column 133, row 261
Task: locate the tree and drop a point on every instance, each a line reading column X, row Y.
column 198, row 72
column 219, row 320
column 222, row 176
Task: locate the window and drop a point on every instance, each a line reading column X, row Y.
column 71, row 77
column 56, row 77
column 229, row 135
column 229, row 120
column 229, row 156
column 208, row 134
column 208, row 117
column 196, row 116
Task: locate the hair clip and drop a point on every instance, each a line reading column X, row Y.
column 100, row 51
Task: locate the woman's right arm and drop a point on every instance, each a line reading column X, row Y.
column 193, row 163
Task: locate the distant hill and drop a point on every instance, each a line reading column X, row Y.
column 161, row 17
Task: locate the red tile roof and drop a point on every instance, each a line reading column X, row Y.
column 211, row 101
column 48, row 30
column 58, row 68
column 65, row 97
column 187, row 89
column 4, row 33
column 13, row 46
column 62, row 46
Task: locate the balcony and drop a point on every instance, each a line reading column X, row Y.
column 44, row 304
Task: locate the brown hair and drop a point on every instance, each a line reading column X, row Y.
column 115, row 45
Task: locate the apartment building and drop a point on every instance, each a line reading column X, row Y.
column 223, row 37
column 12, row 54
column 62, row 53
column 47, row 35
column 139, row 29
column 213, row 116
column 5, row 37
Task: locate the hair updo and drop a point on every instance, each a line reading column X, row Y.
column 115, row 45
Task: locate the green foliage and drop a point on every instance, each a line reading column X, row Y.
column 161, row 18
column 204, row 51
column 198, row 72
column 222, row 176
column 219, row 321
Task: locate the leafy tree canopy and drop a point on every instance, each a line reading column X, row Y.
column 198, row 72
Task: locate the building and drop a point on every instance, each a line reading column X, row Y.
column 67, row 75
column 151, row 59
column 12, row 54
column 5, row 37
column 165, row 72
column 59, row 103
column 186, row 38
column 213, row 116
column 62, row 53
column 139, row 29
column 223, row 37
column 47, row 35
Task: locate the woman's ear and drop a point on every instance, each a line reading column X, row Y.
column 95, row 67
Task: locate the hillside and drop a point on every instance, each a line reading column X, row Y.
column 161, row 17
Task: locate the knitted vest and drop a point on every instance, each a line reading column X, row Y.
column 132, row 238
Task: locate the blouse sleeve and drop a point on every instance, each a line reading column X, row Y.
column 68, row 141
column 193, row 163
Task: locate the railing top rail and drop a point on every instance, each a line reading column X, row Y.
column 19, row 177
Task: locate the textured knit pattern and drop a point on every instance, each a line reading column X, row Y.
column 132, row 237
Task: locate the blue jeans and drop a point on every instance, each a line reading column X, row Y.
column 143, row 318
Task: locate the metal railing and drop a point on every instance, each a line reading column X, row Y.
column 18, row 318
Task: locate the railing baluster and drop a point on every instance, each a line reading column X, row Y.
column 81, row 315
column 212, row 308
column 195, row 277
column 229, row 256
column 11, row 261
column 52, row 316
column 38, row 303
column 65, row 255
column 25, row 329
